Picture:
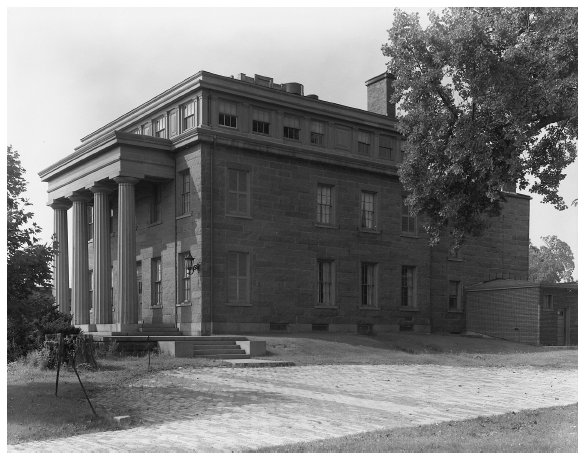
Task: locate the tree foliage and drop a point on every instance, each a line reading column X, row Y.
column 488, row 98
column 551, row 263
column 29, row 261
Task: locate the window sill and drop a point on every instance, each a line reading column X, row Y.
column 239, row 216
column 325, row 225
column 182, row 216
column 288, row 139
column 184, row 304
column 156, row 306
column 369, row 307
column 455, row 311
column 410, row 235
column 408, row 309
column 260, row 134
column 450, row 259
column 370, row 230
column 238, row 305
column 228, row 127
column 327, row 307
column 152, row 224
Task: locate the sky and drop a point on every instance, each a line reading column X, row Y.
column 71, row 71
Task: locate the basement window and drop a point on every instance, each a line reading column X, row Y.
column 320, row 327
column 278, row 327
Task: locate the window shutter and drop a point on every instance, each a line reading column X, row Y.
column 173, row 128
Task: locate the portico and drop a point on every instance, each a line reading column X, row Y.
column 92, row 175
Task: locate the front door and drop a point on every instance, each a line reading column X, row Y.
column 561, row 322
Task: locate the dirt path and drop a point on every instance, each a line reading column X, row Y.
column 224, row 410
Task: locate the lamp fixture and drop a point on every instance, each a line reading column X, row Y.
column 191, row 267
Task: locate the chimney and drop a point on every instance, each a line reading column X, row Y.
column 379, row 91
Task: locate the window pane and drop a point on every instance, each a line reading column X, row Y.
column 233, row 180
column 243, row 181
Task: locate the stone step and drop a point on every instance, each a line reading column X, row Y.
column 219, row 351
column 216, row 343
column 149, row 333
column 225, row 356
column 159, row 325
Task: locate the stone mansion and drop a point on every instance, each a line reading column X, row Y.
column 233, row 205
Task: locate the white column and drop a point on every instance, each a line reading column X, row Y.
column 127, row 284
column 80, row 302
column 61, row 272
column 102, row 271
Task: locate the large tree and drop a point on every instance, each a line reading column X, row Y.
column 552, row 262
column 488, row 98
column 29, row 261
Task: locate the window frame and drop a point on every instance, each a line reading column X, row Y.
column 361, row 150
column 291, row 133
column 240, row 280
column 238, row 192
column 232, row 117
column 413, row 288
column 410, row 219
column 374, row 211
column 320, row 283
column 331, row 206
column 317, row 135
column 388, row 147
column 185, row 193
column 185, row 119
column 257, row 123
column 157, row 131
column 457, row 296
column 371, row 285
column 184, row 283
column 156, row 276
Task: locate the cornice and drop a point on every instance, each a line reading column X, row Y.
column 112, row 139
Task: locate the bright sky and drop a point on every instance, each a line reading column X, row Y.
column 71, row 71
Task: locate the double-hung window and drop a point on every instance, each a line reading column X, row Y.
column 228, row 115
column 385, row 148
column 156, row 204
column 238, row 193
column 368, row 210
column 238, row 278
column 90, row 222
column 325, row 283
column 188, row 115
column 261, row 121
column 292, row 128
column 408, row 220
column 185, row 206
column 156, row 282
column 184, row 281
column 364, row 142
column 317, row 132
column 408, row 299
column 368, row 284
column 454, row 296
column 325, row 204
column 160, row 127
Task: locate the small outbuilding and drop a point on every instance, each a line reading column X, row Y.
column 524, row 311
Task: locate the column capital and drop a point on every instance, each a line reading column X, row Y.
column 77, row 196
column 126, row 180
column 101, row 188
column 60, row 204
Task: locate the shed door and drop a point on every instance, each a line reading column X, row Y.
column 561, row 327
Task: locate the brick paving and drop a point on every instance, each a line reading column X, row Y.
column 237, row 409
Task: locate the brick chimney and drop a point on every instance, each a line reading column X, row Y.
column 379, row 91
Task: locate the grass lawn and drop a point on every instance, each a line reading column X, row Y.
column 544, row 430
column 34, row 413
